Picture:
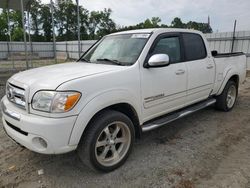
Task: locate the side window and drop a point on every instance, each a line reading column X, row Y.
column 169, row 46
column 194, row 46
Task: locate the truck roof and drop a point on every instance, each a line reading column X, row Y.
column 157, row 30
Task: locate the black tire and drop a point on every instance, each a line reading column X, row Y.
column 221, row 100
column 87, row 146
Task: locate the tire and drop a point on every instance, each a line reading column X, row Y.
column 107, row 142
column 230, row 91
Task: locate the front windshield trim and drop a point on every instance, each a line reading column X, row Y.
column 100, row 40
column 84, row 53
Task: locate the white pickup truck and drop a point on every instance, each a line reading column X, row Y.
column 127, row 83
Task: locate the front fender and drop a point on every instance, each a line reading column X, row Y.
column 97, row 104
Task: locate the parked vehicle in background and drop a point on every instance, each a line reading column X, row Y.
column 127, row 83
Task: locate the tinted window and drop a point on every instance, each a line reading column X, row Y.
column 169, row 46
column 194, row 47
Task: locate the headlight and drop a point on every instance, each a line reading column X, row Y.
column 55, row 101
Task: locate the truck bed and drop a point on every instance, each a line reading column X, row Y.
column 227, row 62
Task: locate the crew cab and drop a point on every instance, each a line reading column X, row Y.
column 125, row 84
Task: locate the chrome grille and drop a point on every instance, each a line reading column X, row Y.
column 16, row 95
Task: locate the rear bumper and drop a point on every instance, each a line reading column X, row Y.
column 37, row 133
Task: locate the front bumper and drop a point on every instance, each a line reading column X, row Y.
column 37, row 133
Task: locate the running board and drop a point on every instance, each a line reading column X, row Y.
column 174, row 116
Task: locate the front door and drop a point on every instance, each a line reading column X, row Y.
column 164, row 88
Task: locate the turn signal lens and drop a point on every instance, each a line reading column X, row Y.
column 71, row 101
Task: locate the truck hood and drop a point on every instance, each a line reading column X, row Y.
column 50, row 77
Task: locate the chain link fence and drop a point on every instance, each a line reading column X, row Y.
column 12, row 56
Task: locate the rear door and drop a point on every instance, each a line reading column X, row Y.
column 200, row 67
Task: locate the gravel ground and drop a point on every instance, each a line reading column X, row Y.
column 206, row 149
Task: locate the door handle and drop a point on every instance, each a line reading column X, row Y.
column 179, row 72
column 210, row 66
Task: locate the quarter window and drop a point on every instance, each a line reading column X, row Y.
column 194, row 47
column 169, row 46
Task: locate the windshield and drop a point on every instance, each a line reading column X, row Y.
column 123, row 49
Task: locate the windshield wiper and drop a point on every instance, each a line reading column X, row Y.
column 83, row 59
column 110, row 60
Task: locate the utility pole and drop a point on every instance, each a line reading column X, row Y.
column 53, row 28
column 10, row 39
column 30, row 41
column 24, row 35
column 78, row 27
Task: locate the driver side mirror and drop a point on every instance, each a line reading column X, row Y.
column 158, row 60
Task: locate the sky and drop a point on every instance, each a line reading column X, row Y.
column 222, row 12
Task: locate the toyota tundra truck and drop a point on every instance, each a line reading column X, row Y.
column 125, row 84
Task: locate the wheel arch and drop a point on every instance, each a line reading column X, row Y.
column 235, row 78
column 224, row 103
column 230, row 76
column 124, row 108
column 121, row 101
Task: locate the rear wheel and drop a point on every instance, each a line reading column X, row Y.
column 108, row 141
column 227, row 99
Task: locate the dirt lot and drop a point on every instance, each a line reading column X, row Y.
column 207, row 149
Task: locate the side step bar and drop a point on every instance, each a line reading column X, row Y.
column 174, row 116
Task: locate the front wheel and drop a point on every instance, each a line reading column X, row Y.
column 107, row 142
column 226, row 100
